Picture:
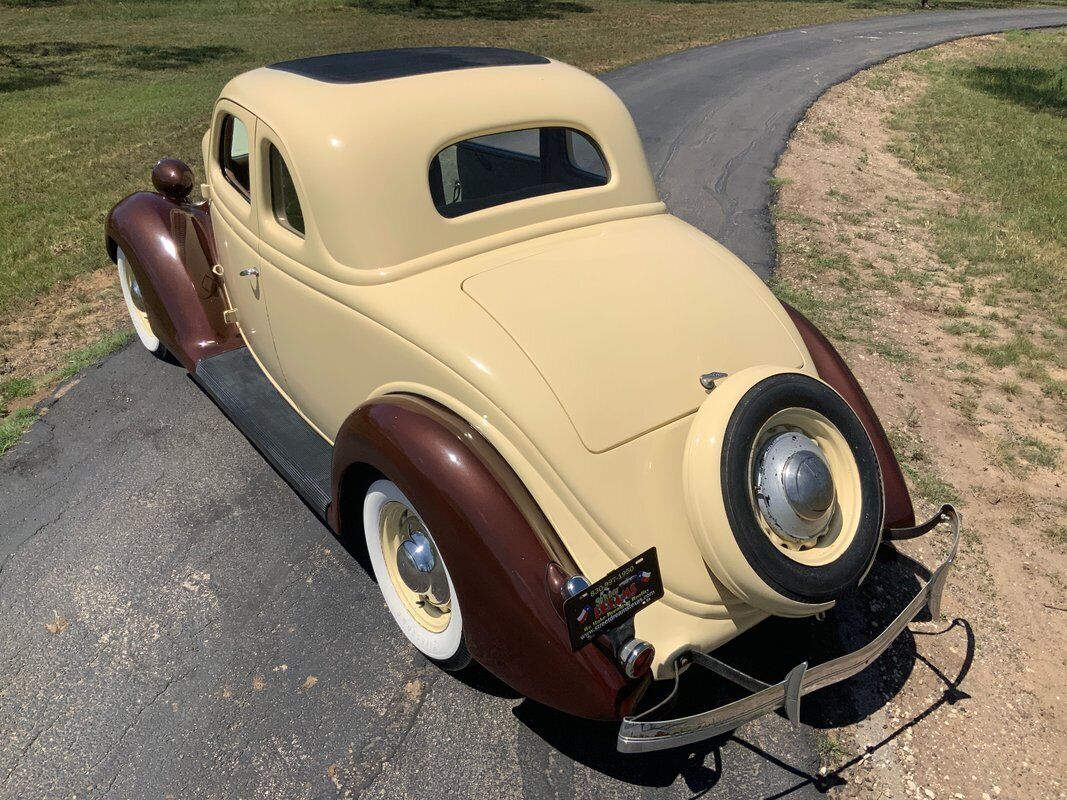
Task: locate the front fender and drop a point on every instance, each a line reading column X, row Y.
column 504, row 557
column 899, row 512
column 171, row 250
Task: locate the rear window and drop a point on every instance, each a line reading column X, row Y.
column 504, row 167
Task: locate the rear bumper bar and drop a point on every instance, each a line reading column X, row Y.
column 642, row 734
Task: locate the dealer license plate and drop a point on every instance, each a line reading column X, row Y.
column 613, row 599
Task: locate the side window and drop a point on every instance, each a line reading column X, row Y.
column 584, row 155
column 486, row 171
column 283, row 199
column 233, row 154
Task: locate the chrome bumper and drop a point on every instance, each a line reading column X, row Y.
column 639, row 734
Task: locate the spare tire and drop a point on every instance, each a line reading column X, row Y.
column 783, row 490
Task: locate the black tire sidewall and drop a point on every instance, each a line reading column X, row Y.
column 790, row 578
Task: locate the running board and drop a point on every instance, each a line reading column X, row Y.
column 238, row 386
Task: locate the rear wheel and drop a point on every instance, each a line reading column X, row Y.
column 412, row 576
column 135, row 305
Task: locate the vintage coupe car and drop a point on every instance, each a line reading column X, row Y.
column 584, row 444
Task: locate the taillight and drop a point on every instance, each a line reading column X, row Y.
column 636, row 657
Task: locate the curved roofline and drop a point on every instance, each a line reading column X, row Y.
column 367, row 66
column 360, row 155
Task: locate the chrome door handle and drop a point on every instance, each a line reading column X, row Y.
column 245, row 273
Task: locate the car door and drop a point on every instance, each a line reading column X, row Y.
column 308, row 327
column 235, row 220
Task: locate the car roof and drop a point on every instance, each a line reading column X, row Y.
column 379, row 65
column 360, row 150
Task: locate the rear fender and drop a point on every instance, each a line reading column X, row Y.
column 899, row 512
column 504, row 558
column 171, row 250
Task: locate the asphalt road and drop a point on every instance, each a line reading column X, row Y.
column 215, row 640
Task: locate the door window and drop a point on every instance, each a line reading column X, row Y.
column 233, row 155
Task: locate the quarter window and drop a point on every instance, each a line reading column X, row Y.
column 233, row 154
column 487, row 171
column 283, row 197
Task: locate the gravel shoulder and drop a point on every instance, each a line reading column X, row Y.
column 982, row 713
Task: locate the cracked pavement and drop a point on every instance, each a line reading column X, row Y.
column 200, row 594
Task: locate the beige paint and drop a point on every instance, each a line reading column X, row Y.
column 569, row 329
column 235, row 224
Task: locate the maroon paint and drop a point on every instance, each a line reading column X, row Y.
column 171, row 249
column 899, row 512
column 500, row 550
column 173, row 179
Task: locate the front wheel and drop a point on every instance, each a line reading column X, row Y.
column 412, row 576
column 135, row 305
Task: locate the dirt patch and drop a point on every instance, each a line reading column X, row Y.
column 857, row 253
column 36, row 343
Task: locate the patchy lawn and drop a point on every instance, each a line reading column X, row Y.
column 93, row 93
column 922, row 222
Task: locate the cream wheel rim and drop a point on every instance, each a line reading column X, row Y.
column 836, row 533
column 434, row 627
column 402, row 531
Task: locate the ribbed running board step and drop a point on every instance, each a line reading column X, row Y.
column 238, row 386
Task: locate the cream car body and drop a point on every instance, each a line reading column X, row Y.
column 570, row 329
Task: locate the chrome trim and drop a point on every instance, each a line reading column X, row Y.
column 639, row 734
column 629, row 654
column 707, row 380
column 574, row 585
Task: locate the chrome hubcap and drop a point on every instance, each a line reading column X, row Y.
column 135, row 294
column 420, row 568
column 794, row 488
column 415, row 566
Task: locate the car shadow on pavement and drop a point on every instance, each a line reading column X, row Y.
column 768, row 652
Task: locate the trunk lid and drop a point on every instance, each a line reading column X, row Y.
column 621, row 323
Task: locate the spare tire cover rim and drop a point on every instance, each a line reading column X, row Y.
column 838, row 527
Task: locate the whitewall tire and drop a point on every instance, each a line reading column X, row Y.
column 131, row 293
column 412, row 576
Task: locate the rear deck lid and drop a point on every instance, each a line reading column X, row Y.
column 621, row 323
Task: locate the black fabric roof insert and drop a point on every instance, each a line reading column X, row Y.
column 379, row 65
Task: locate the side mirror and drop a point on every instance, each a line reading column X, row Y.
column 173, row 179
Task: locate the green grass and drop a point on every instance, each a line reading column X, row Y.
column 993, row 127
column 1019, row 454
column 87, row 356
column 828, row 134
column 1057, row 535
column 915, row 461
column 13, row 426
column 93, row 93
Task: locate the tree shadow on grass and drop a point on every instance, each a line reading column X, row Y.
column 39, row 64
column 1035, row 88
column 501, row 10
column 31, row 3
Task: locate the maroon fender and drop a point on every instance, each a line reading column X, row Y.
column 171, row 249
column 504, row 557
column 899, row 512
